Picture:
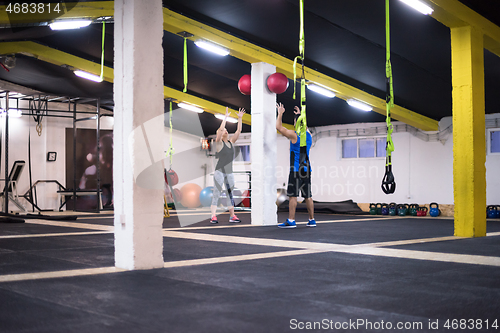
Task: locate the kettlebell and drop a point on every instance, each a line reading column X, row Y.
column 498, row 211
column 392, row 209
column 434, row 211
column 373, row 209
column 491, row 212
column 422, row 211
column 385, row 209
column 379, row 208
column 413, row 209
column 402, row 209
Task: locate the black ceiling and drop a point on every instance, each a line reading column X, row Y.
column 345, row 39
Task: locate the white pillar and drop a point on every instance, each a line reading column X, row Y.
column 138, row 95
column 263, row 146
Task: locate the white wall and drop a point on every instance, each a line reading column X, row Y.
column 188, row 158
column 492, row 170
column 52, row 139
column 423, row 170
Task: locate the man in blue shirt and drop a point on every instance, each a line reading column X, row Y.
column 299, row 179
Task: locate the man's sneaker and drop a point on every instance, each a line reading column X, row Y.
column 288, row 224
column 234, row 219
column 311, row 223
column 214, row 220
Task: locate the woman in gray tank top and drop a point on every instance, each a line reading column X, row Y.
column 223, row 174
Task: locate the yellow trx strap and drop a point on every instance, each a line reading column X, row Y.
column 301, row 124
column 170, row 151
column 166, row 212
column 185, row 66
column 388, row 182
column 185, row 35
column 102, row 51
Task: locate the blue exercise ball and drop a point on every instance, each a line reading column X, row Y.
column 206, row 196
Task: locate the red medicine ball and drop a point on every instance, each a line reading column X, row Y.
column 177, row 195
column 277, row 83
column 245, row 84
column 171, row 177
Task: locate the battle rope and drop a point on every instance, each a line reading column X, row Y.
column 388, row 182
column 29, row 169
column 301, row 124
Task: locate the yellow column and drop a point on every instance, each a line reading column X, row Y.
column 469, row 150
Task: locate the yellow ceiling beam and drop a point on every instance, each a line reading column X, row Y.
column 48, row 12
column 202, row 103
column 246, row 51
column 251, row 53
column 55, row 57
column 60, row 58
column 208, row 106
column 454, row 14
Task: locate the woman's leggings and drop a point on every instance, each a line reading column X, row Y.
column 220, row 178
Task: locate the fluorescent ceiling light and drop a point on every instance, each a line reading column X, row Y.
column 69, row 24
column 321, row 90
column 15, row 113
column 190, row 107
column 359, row 105
column 221, row 117
column 420, row 6
column 217, row 49
column 88, row 76
column 16, row 94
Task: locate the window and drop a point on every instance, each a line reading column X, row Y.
column 366, row 147
column 494, row 141
column 381, row 143
column 349, row 148
column 363, row 148
column 242, row 153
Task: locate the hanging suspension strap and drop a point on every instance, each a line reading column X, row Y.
column 102, row 51
column 168, row 174
column 170, row 151
column 388, row 182
column 302, row 45
column 185, row 35
column 37, row 112
column 185, row 66
column 301, row 124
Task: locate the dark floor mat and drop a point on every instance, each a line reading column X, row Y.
column 6, row 219
column 41, row 217
column 340, row 207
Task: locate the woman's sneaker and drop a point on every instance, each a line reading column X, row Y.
column 288, row 224
column 234, row 219
column 214, row 220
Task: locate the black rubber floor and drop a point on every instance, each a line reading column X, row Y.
column 364, row 230
column 326, row 292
